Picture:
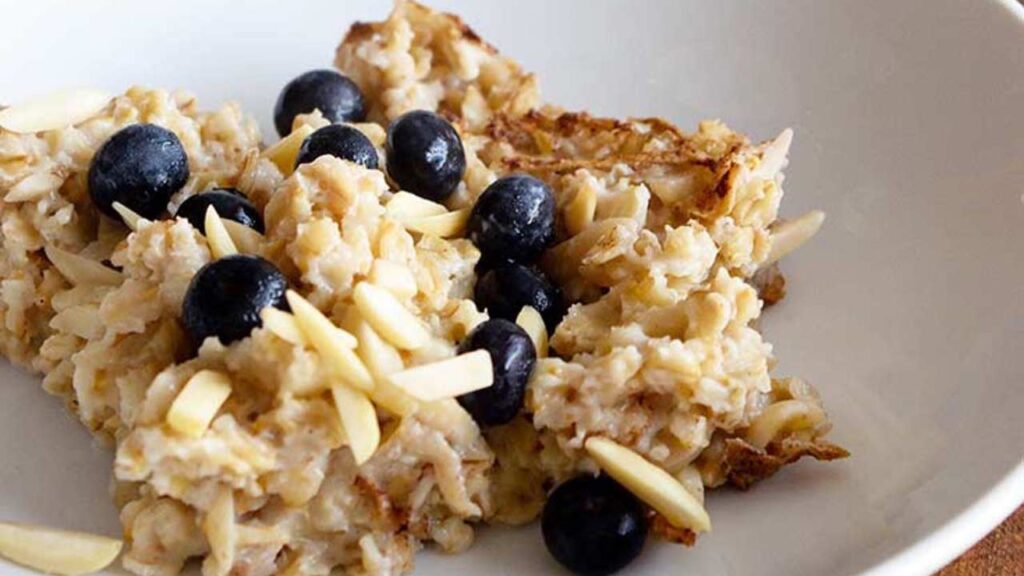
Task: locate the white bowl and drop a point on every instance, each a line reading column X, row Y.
column 907, row 312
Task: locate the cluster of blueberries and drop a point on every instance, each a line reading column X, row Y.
column 590, row 524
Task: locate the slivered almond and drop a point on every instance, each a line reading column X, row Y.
column 286, row 150
column 393, row 399
column 382, row 360
column 81, row 270
column 359, row 420
column 310, row 316
column 404, row 206
column 533, row 323
column 33, row 187
column 334, row 344
column 649, row 483
column 774, row 157
column 246, row 239
column 782, row 417
column 393, row 277
column 282, row 325
column 54, row 111
column 198, row 402
column 217, row 235
column 579, row 213
column 789, row 235
column 393, row 321
column 57, row 551
column 87, row 294
column 447, row 378
column 447, row 225
column 82, row 321
column 131, row 219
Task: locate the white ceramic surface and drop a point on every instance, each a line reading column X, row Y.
column 907, row 312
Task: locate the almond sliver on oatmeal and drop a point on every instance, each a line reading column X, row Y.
column 57, row 551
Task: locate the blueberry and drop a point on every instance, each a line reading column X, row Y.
column 512, row 359
column 513, row 219
column 505, row 289
column 229, row 204
column 593, row 526
column 140, row 166
column 343, row 142
column 337, row 98
column 226, row 296
column 425, row 155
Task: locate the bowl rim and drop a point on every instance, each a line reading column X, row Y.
column 950, row 540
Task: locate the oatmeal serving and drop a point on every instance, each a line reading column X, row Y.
column 436, row 302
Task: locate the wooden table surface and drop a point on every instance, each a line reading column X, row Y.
column 999, row 554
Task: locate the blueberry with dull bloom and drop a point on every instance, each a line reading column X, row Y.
column 593, row 526
column 512, row 359
column 503, row 291
column 226, row 296
column 340, row 141
column 141, row 166
column 514, row 219
column 229, row 203
column 333, row 94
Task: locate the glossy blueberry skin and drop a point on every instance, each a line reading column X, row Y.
column 593, row 526
column 512, row 359
column 425, row 155
column 343, row 142
column 226, row 296
column 506, row 288
column 336, row 96
column 140, row 166
column 514, row 219
column 229, row 203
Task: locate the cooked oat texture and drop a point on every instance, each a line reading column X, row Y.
column 314, row 444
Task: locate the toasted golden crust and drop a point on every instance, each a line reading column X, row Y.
column 744, row 464
column 770, row 284
column 661, row 528
column 690, row 174
column 552, row 140
column 421, row 59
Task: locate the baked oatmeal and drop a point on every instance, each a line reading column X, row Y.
column 436, row 302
